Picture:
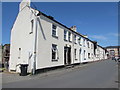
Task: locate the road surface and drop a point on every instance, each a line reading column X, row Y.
column 102, row 74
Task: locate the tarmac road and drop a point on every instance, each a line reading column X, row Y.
column 102, row 74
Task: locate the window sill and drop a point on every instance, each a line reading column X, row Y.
column 76, row 59
column 54, row 60
column 65, row 40
column 80, row 44
column 55, row 36
column 30, row 32
column 70, row 41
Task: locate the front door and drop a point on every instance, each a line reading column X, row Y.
column 80, row 55
column 67, row 55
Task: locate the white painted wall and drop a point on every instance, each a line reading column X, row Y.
column 22, row 38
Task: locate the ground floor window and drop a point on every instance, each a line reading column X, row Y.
column 84, row 55
column 54, row 52
column 75, row 52
column 89, row 55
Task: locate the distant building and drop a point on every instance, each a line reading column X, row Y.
column 113, row 51
column 6, row 55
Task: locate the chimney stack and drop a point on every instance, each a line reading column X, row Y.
column 73, row 28
column 23, row 4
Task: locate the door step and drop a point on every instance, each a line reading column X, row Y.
column 69, row 66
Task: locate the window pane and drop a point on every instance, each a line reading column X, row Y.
column 69, row 36
column 65, row 34
column 75, row 53
column 54, row 33
column 75, row 38
column 54, row 26
column 54, row 51
column 54, row 30
column 32, row 22
column 53, row 55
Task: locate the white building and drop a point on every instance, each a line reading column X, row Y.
column 42, row 42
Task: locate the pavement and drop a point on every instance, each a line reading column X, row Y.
column 101, row 74
column 8, row 77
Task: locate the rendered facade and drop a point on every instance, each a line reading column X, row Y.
column 42, row 42
column 113, row 51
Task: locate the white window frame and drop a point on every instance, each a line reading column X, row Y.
column 84, row 53
column 75, row 53
column 32, row 26
column 69, row 36
column 75, row 39
column 65, row 35
column 54, row 30
column 88, row 44
column 79, row 41
column 88, row 55
column 55, row 50
column 91, row 46
column 84, row 42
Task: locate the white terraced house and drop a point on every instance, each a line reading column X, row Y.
column 42, row 42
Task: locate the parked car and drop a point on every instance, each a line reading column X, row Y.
column 118, row 59
column 113, row 58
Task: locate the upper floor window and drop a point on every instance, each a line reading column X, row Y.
column 69, row 36
column 65, row 35
column 54, row 31
column 84, row 42
column 32, row 24
column 80, row 51
column 88, row 44
column 79, row 40
column 75, row 41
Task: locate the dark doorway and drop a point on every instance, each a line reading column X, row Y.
column 67, row 55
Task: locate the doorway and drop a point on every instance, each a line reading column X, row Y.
column 67, row 55
column 80, row 55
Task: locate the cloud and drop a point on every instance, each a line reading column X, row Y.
column 106, row 39
column 100, row 37
column 114, row 34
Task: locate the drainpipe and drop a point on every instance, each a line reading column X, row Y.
column 73, row 46
column 35, row 45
